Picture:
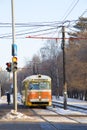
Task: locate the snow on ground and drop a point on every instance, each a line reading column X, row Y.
column 75, row 102
column 3, row 100
column 15, row 115
column 69, row 112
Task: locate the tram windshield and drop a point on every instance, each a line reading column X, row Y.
column 39, row 86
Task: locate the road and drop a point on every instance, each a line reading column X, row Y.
column 40, row 119
column 40, row 126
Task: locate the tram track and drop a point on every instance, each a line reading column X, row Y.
column 40, row 114
column 70, row 117
column 57, row 115
column 43, row 117
column 49, row 116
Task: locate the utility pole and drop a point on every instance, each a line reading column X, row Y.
column 64, row 73
column 14, row 72
column 34, row 68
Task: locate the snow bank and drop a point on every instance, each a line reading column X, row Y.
column 12, row 115
column 69, row 112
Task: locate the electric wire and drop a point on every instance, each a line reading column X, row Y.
column 71, row 10
column 38, row 29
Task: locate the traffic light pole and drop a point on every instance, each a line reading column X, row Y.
column 64, row 74
column 14, row 72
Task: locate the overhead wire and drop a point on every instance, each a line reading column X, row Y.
column 29, row 32
column 39, row 25
column 67, row 13
column 47, row 25
column 70, row 9
column 38, row 30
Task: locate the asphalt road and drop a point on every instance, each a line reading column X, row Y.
column 40, row 126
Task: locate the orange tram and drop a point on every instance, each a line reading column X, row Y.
column 37, row 91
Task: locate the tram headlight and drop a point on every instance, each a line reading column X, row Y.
column 39, row 97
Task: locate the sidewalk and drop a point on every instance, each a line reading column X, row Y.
column 7, row 112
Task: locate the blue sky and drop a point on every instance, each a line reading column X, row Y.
column 27, row 11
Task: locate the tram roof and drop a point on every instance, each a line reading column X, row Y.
column 36, row 77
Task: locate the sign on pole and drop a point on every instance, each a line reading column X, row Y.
column 14, row 50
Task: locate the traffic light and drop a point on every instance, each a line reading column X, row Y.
column 9, row 66
column 14, row 60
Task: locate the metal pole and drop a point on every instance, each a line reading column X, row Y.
column 57, row 76
column 14, row 72
column 64, row 76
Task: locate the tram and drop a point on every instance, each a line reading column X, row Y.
column 37, row 90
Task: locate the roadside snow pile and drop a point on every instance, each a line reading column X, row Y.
column 12, row 115
column 3, row 99
column 69, row 112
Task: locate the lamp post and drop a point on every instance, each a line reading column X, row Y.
column 14, row 72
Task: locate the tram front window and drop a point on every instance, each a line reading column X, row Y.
column 44, row 85
column 34, row 86
column 39, row 86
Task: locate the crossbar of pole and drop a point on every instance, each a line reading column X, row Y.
column 57, row 38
